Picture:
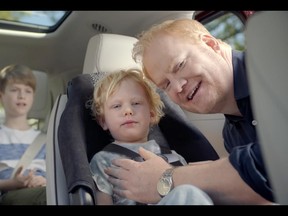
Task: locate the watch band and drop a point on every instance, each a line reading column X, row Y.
column 168, row 172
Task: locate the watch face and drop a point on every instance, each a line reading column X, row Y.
column 164, row 186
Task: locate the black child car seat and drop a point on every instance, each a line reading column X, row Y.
column 77, row 136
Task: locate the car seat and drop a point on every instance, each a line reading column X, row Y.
column 77, row 136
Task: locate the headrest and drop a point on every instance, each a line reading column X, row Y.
column 109, row 52
column 42, row 103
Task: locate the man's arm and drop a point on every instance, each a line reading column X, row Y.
column 220, row 180
column 138, row 180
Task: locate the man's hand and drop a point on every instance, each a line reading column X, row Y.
column 137, row 180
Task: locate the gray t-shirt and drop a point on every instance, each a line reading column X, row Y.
column 102, row 160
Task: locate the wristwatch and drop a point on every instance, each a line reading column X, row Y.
column 165, row 183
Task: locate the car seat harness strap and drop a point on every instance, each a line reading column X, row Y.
column 166, row 154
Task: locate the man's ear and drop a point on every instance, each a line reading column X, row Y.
column 210, row 41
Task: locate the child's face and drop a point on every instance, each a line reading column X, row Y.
column 17, row 99
column 127, row 113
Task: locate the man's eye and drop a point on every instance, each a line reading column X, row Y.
column 166, row 86
column 180, row 65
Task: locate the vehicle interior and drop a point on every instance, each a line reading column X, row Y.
column 173, row 130
column 70, row 50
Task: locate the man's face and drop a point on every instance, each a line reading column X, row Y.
column 191, row 74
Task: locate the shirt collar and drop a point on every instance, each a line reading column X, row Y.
column 241, row 88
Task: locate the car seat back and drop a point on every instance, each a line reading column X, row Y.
column 267, row 46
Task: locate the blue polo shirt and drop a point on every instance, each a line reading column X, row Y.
column 240, row 136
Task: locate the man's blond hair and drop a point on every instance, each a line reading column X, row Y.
column 185, row 28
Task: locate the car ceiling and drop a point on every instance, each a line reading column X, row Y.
column 63, row 51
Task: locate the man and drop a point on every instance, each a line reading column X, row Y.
column 202, row 75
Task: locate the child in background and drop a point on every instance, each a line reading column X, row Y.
column 17, row 89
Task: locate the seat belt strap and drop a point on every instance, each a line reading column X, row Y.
column 30, row 152
column 121, row 150
column 135, row 156
column 166, row 153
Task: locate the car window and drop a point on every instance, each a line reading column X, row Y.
column 229, row 28
column 33, row 21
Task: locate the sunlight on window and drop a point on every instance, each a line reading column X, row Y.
column 37, row 21
column 43, row 18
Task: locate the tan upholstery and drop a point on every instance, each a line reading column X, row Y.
column 42, row 102
column 109, row 52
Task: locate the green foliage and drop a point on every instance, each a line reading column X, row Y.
column 229, row 29
column 13, row 15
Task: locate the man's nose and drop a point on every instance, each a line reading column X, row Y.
column 177, row 84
